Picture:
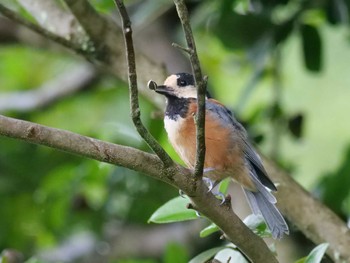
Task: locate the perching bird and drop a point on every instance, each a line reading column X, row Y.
column 228, row 151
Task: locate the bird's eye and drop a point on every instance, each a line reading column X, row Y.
column 182, row 82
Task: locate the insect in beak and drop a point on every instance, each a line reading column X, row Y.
column 161, row 89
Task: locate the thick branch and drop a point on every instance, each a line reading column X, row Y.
column 250, row 244
column 258, row 252
column 84, row 146
column 133, row 90
column 143, row 162
column 201, row 84
column 206, row 203
column 311, row 217
column 106, row 40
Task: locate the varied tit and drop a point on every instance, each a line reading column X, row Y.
column 228, row 151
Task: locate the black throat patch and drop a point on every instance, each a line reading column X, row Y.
column 177, row 107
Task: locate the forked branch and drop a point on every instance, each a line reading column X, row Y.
column 199, row 195
column 201, row 84
column 310, row 216
column 133, row 90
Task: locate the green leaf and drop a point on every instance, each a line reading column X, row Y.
column 257, row 225
column 237, row 31
column 3, row 259
column 224, row 185
column 206, row 255
column 103, row 5
column 336, row 11
column 175, row 253
column 230, row 255
column 302, row 260
column 212, row 228
column 295, row 125
column 315, row 255
column 283, row 31
column 174, row 210
column 312, row 47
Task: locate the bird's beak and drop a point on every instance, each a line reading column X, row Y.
column 161, row 89
column 164, row 90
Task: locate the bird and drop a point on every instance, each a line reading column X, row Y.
column 229, row 152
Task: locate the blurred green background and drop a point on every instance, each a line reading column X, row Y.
column 281, row 66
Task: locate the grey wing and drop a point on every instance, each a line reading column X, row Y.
column 252, row 157
column 256, row 163
column 225, row 115
column 219, row 110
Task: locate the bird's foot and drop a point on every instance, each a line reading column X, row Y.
column 182, row 194
column 209, row 183
column 213, row 187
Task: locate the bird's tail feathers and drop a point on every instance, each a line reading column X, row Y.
column 262, row 202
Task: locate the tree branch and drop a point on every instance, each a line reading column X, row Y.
column 133, row 90
column 41, row 31
column 107, row 37
column 314, row 226
column 250, row 244
column 80, row 145
column 93, row 24
column 52, row 16
column 258, row 252
column 149, row 164
column 67, row 83
column 314, row 219
column 201, row 84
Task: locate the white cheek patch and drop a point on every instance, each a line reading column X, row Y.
column 187, row 92
column 171, row 81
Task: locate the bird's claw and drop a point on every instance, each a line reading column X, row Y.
column 221, row 196
column 211, row 188
column 209, row 183
column 182, row 194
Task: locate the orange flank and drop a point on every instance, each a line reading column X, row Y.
column 225, row 161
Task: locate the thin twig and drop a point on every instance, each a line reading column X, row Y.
column 185, row 49
column 201, row 84
column 252, row 253
column 313, row 218
column 41, row 31
column 132, row 77
column 146, row 163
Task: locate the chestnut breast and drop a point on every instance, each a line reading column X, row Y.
column 224, row 149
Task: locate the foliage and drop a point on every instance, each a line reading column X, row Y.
column 280, row 64
column 315, row 255
column 176, row 210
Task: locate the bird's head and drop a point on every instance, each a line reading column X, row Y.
column 180, row 85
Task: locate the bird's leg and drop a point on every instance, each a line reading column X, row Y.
column 209, row 183
column 213, row 186
column 182, row 194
